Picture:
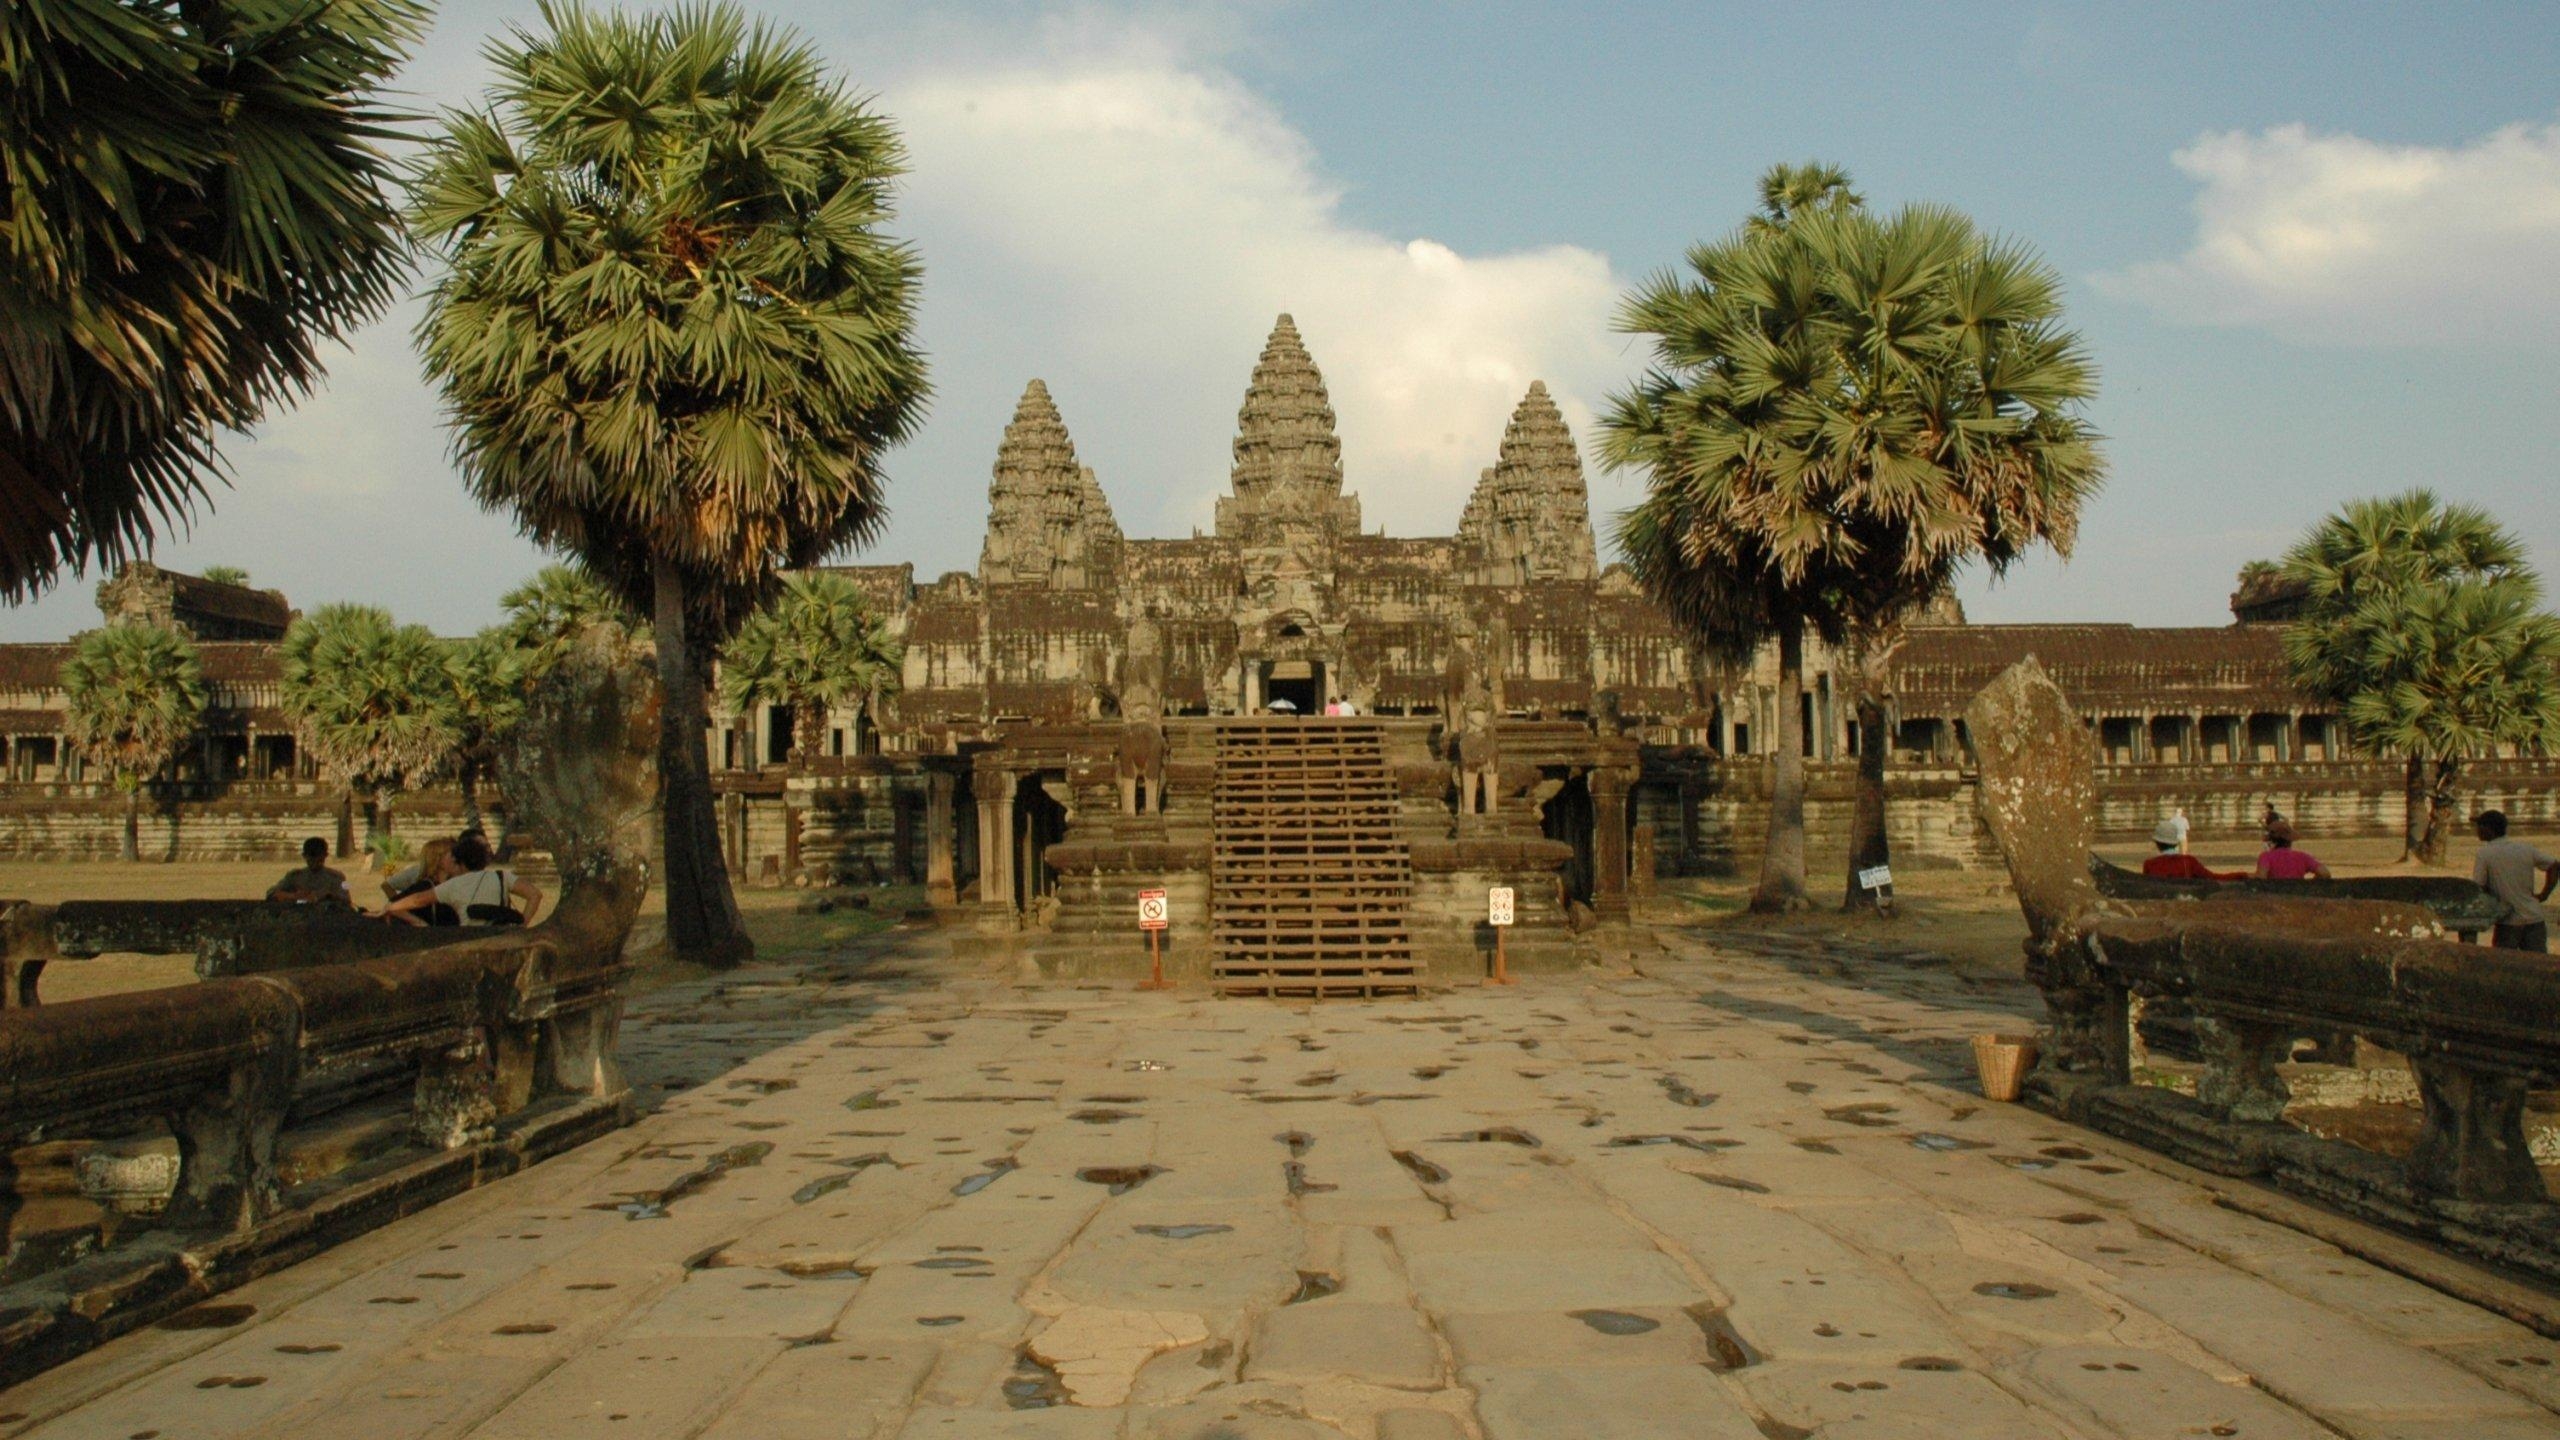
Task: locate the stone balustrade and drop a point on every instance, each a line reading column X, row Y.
column 399, row 1064
column 2258, row 969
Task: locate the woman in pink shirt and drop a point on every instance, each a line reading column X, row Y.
column 2280, row 861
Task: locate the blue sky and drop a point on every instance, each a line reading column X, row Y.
column 2315, row 251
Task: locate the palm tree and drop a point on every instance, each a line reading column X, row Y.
column 489, row 676
column 1843, row 409
column 673, row 339
column 2403, row 595
column 372, row 700
column 815, row 647
column 193, row 201
column 226, row 575
column 134, row 695
column 547, row 614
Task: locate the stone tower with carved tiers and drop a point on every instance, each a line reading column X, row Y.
column 1048, row 522
column 1530, row 516
column 1288, row 461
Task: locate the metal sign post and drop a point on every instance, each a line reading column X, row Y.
column 1500, row 904
column 1153, row 917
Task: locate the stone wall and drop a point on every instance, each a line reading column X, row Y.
column 245, row 821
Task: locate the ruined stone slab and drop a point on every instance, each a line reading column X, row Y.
column 1375, row 1344
column 1607, row 1403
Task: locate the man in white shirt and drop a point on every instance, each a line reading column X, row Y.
column 2506, row 868
column 481, row 894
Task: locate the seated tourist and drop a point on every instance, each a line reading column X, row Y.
column 2171, row 862
column 481, row 894
column 2280, row 861
column 433, row 867
column 314, row 883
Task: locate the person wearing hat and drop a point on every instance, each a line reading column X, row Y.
column 2172, row 862
column 2280, row 861
column 2505, row 868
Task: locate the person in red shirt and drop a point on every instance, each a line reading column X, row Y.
column 2280, row 861
column 2173, row 862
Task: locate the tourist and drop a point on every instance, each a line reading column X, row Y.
column 2505, row 868
column 433, row 867
column 480, row 894
column 2280, row 861
column 314, row 883
column 2171, row 860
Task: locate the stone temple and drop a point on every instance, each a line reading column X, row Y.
column 1087, row 716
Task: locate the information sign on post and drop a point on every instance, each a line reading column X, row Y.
column 1154, row 917
column 1500, row 906
column 1875, row 877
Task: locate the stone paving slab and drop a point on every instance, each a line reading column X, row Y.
column 1746, row 1193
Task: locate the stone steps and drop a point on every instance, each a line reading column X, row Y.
column 1310, row 880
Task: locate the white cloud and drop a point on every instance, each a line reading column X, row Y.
column 1141, row 220
column 2336, row 238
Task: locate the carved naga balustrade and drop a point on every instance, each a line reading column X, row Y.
column 2479, row 1027
column 501, row 1040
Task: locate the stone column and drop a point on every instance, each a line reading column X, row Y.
column 1609, row 843
column 938, row 887
column 995, row 847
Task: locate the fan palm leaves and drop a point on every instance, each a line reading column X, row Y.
column 192, row 199
column 815, row 647
column 549, row 612
column 2422, row 623
column 488, row 675
column 1843, row 409
column 673, row 338
column 133, row 697
column 371, row 698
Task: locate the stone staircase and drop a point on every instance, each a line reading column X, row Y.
column 1310, row 879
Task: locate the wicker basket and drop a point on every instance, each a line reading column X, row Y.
column 2003, row 1062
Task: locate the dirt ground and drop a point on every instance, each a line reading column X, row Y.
column 1968, row 915
column 1971, row 916
column 781, row 933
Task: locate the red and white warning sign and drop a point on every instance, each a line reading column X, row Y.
column 1153, row 913
column 1501, row 905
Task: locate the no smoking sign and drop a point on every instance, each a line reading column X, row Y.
column 1153, row 912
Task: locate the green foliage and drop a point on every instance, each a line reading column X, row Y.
column 669, row 326
column 547, row 614
column 191, row 200
column 2423, row 625
column 226, row 575
column 134, row 695
column 373, row 699
column 1843, row 409
column 817, row 645
column 488, row 675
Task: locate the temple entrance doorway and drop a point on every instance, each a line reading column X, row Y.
column 1300, row 682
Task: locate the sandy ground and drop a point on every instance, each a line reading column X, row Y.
column 780, row 933
column 1967, row 915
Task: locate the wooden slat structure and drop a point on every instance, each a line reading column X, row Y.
column 1310, row 879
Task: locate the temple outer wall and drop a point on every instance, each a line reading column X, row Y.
column 865, row 822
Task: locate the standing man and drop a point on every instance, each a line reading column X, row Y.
column 2505, row 868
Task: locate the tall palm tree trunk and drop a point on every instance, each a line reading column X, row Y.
column 133, row 823
column 2440, row 810
column 1782, row 860
column 2413, row 813
column 808, row 731
column 467, row 775
column 703, row 924
column 1869, row 845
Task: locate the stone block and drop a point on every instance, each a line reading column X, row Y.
column 1340, row 1339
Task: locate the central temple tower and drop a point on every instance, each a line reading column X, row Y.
column 1288, row 461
